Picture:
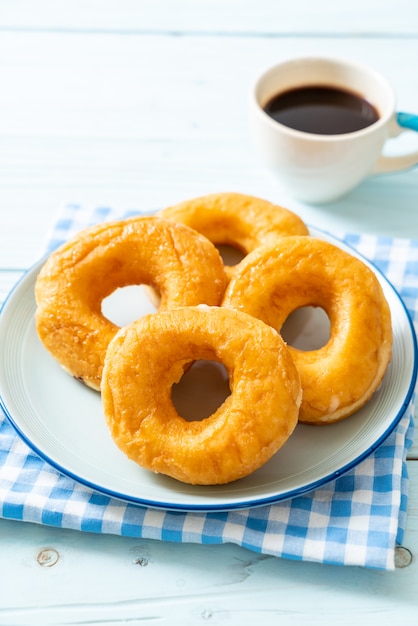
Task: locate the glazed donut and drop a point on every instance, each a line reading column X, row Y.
column 238, row 220
column 181, row 264
column 147, row 357
column 338, row 378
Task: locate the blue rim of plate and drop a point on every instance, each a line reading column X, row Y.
column 250, row 502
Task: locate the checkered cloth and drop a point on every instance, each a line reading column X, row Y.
column 357, row 519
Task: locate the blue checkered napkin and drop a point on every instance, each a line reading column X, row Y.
column 356, row 520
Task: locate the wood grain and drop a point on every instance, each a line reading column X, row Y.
column 148, row 581
column 140, row 104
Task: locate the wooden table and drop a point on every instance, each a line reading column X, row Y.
column 140, row 104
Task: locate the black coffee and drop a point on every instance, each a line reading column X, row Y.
column 321, row 110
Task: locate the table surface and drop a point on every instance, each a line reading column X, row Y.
column 140, row 104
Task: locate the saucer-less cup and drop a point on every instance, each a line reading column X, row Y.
column 317, row 167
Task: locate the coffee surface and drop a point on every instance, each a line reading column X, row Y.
column 321, row 110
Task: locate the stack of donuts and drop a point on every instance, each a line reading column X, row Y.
column 210, row 311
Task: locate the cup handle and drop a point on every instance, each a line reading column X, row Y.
column 400, row 123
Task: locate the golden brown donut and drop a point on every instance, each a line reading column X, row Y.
column 147, row 357
column 338, row 378
column 181, row 264
column 238, row 220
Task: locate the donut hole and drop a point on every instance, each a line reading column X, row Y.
column 201, row 390
column 230, row 255
column 307, row 328
column 126, row 304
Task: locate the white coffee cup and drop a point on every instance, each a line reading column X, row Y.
column 317, row 167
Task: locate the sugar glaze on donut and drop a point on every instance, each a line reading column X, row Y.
column 238, row 220
column 147, row 357
column 182, row 265
column 275, row 280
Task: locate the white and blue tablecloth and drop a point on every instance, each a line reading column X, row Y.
column 357, row 519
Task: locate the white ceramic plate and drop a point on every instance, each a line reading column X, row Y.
column 62, row 420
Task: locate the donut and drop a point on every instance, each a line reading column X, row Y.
column 181, row 264
column 145, row 359
column 341, row 376
column 238, row 220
